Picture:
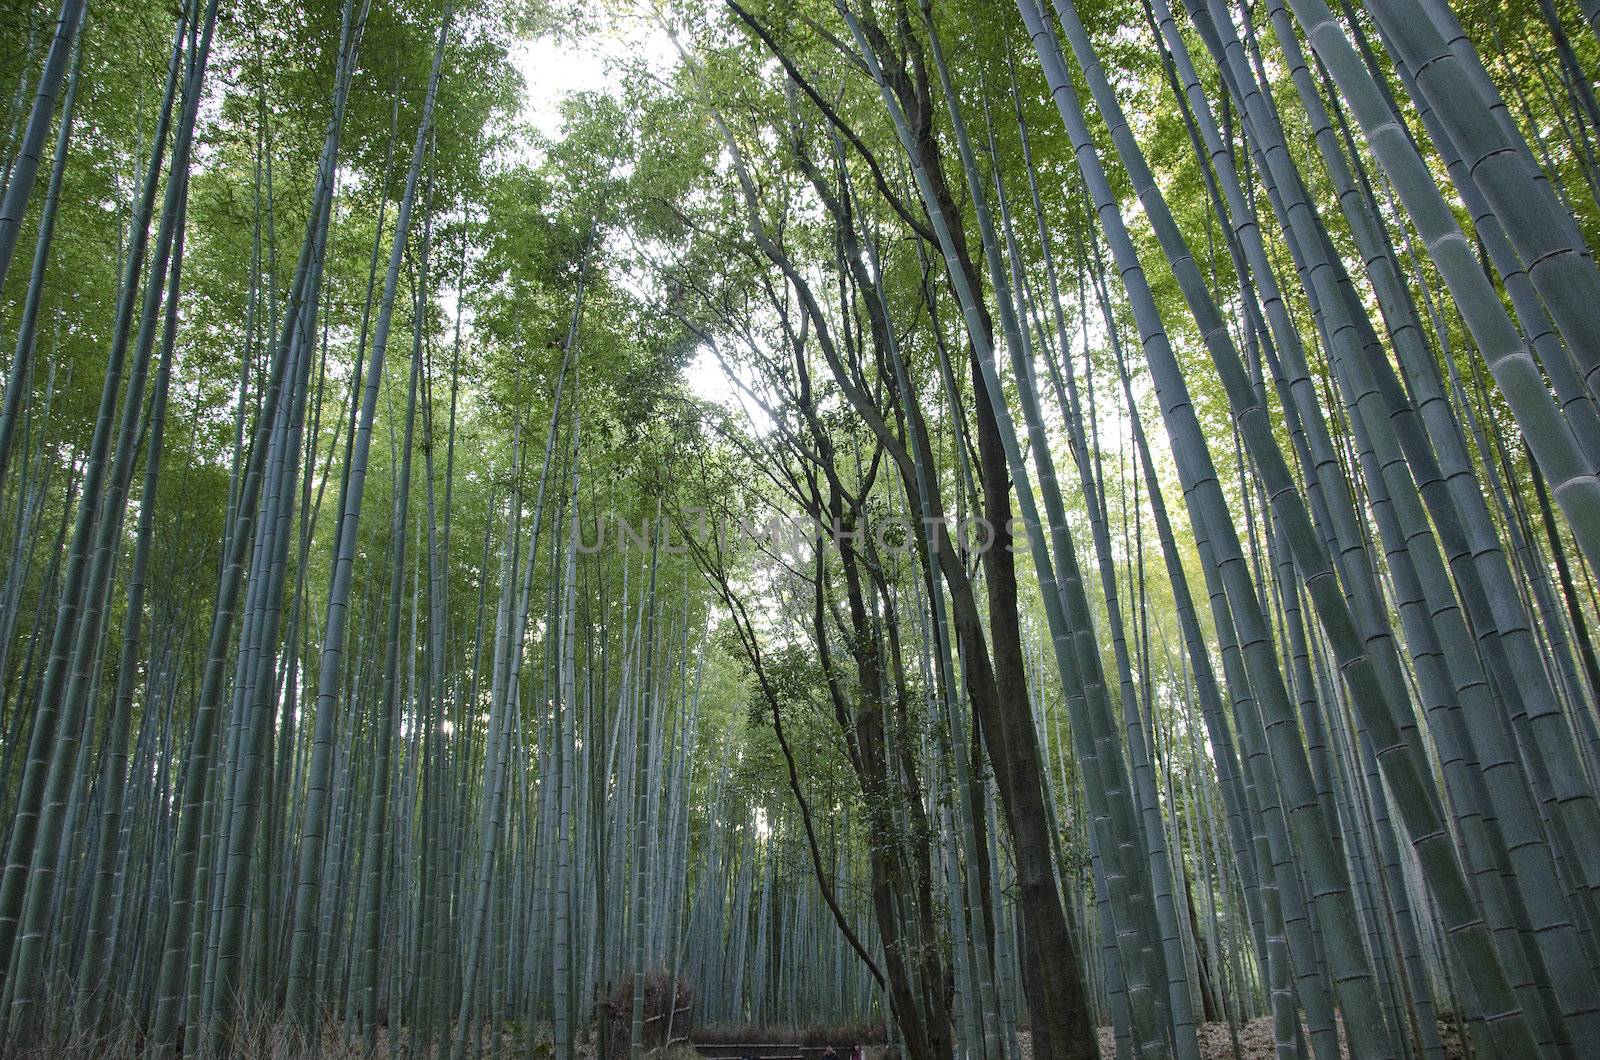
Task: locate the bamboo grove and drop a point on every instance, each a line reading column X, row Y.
column 1051, row 528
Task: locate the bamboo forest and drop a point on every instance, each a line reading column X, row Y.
column 794, row 529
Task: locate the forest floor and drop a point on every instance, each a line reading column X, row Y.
column 1255, row 1041
column 277, row 1043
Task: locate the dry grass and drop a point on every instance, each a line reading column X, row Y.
column 807, row 1042
column 839, row 1035
column 261, row 1039
column 1256, row 1041
column 658, row 988
column 251, row 1038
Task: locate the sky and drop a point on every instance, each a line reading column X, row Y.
column 554, row 67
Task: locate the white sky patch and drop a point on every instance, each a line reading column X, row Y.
column 553, row 69
column 708, row 381
column 558, row 65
